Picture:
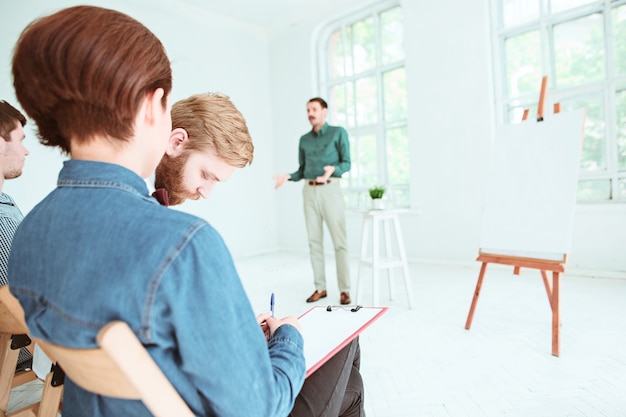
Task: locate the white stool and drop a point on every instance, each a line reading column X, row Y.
column 374, row 220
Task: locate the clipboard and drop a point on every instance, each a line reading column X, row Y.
column 327, row 332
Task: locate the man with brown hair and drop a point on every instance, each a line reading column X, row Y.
column 323, row 157
column 12, row 154
column 99, row 248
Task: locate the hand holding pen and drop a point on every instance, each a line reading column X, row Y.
column 262, row 318
column 269, row 323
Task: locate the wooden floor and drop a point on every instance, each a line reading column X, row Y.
column 422, row 362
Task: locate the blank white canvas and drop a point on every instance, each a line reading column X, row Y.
column 533, row 179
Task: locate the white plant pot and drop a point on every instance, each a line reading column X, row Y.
column 377, row 204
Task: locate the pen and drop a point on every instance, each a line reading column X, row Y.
column 272, row 304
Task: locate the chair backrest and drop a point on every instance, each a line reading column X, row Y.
column 11, row 313
column 122, row 368
column 12, row 323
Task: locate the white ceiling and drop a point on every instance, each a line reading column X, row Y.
column 270, row 13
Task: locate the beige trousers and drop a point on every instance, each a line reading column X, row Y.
column 325, row 204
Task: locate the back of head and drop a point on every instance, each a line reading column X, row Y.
column 213, row 123
column 84, row 71
column 9, row 117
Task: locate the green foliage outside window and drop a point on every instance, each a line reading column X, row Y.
column 364, row 44
column 392, row 35
column 594, row 146
column 366, row 101
column 399, row 162
column 566, row 40
column 523, row 63
column 620, row 106
column 579, row 51
column 619, row 39
column 394, row 86
column 365, row 81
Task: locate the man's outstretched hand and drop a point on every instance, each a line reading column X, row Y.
column 280, row 180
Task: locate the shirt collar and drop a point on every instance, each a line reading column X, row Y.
column 6, row 199
column 322, row 131
column 102, row 174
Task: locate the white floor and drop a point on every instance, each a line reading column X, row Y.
column 422, row 362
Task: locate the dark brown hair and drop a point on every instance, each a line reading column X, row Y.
column 319, row 100
column 9, row 117
column 84, row 71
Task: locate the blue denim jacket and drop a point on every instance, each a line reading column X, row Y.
column 99, row 248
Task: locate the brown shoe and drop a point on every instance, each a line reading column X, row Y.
column 316, row 296
column 345, row 298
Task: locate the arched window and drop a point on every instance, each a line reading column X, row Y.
column 363, row 77
column 581, row 46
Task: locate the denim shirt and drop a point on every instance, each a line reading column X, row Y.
column 99, row 248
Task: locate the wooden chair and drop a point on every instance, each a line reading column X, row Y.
column 13, row 336
column 122, row 368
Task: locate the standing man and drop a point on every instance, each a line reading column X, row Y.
column 324, row 156
column 12, row 154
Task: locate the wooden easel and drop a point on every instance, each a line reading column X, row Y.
column 544, row 266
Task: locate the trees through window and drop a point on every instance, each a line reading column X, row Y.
column 581, row 46
column 362, row 74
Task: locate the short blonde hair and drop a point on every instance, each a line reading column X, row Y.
column 213, row 123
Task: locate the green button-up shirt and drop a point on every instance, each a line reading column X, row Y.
column 329, row 146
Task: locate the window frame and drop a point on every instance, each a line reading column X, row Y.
column 357, row 194
column 606, row 88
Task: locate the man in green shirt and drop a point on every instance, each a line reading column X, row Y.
column 324, row 156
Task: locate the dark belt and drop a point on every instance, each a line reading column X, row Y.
column 315, row 183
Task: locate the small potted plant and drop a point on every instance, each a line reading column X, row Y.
column 376, row 193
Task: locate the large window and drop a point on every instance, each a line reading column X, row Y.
column 581, row 46
column 362, row 75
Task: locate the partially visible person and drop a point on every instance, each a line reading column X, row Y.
column 99, row 248
column 324, row 156
column 209, row 140
column 12, row 155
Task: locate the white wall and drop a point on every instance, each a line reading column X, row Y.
column 270, row 76
column 292, row 72
column 450, row 126
column 208, row 53
column 451, row 116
